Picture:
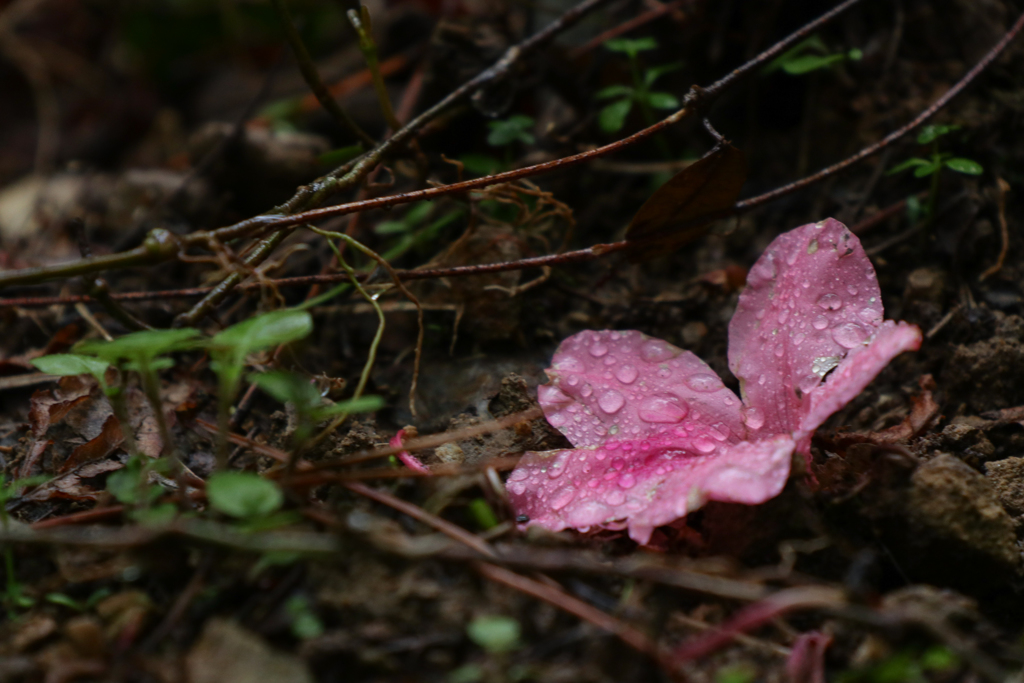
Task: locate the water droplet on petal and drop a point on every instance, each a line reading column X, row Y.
column 662, row 410
column 611, row 401
column 830, row 302
column 586, row 391
column 518, row 488
column 779, row 351
column 626, row 374
column 798, row 338
column 562, row 497
column 808, row 383
column 558, row 466
column 615, row 498
column 556, row 419
column 753, row 418
column 820, row 323
column 518, row 475
column 704, row 382
column 627, row 481
column 821, row 366
column 656, row 351
column 849, row 335
column 572, row 380
column 761, row 380
column 783, row 316
column 852, row 289
column 703, row 444
column 598, row 349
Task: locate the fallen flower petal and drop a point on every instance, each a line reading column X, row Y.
column 658, row 434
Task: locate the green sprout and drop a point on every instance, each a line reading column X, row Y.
column 14, row 596
column 310, row 408
column 613, row 115
column 932, row 166
column 253, row 501
column 810, row 55
column 413, row 229
column 230, row 348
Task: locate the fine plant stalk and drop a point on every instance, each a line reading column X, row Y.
column 120, row 407
column 372, row 354
column 312, row 76
column 361, row 22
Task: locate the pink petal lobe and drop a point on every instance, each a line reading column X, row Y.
column 811, row 298
column 626, row 385
column 407, row 458
column 644, row 484
column 856, row 371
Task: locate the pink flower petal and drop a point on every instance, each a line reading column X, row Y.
column 810, row 299
column 644, row 484
column 856, row 371
column 410, row 460
column 627, row 385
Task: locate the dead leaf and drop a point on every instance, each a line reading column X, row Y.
column 680, row 210
column 100, row 447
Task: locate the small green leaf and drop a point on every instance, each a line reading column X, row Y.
column 909, row 163
column 158, row 515
column 855, row 55
column 927, row 169
column 613, row 117
column 304, row 622
column 932, row 132
column 514, row 128
column 631, row 46
column 964, row 166
column 481, row 164
column 662, row 100
column 243, row 495
column 65, row 601
column 363, row 404
column 494, row 633
column 289, row 387
column 66, row 364
column 141, row 346
column 736, row 673
column 263, row 331
column 154, row 365
column 808, row 63
column 124, row 484
column 939, row 658
column 337, row 157
column 483, row 514
column 656, row 72
column 614, row 91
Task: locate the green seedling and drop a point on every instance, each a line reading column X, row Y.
column 413, row 230
column 483, row 514
column 142, row 352
column 810, row 55
column 613, row 116
column 495, row 633
column 310, row 408
column 65, row 600
column 504, row 134
column 932, row 166
column 131, row 486
column 514, row 129
column 305, row 624
column 249, row 498
column 14, row 596
column 229, row 349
